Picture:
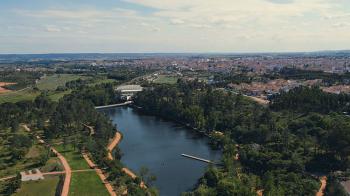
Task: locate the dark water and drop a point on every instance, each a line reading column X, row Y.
column 157, row 144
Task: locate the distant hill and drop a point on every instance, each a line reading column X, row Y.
column 115, row 56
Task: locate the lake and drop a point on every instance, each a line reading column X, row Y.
column 157, row 144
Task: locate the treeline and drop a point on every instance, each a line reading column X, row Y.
column 222, row 80
column 299, row 74
column 103, row 94
column 277, row 150
column 305, row 99
column 125, row 73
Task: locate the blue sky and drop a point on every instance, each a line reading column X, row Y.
column 51, row 26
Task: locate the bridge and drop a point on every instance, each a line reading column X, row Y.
column 197, row 158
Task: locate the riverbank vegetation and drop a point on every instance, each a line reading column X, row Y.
column 63, row 123
column 275, row 149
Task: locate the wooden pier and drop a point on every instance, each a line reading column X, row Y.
column 197, row 158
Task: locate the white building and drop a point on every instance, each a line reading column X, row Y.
column 127, row 91
column 34, row 174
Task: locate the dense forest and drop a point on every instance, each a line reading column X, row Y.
column 299, row 74
column 305, row 99
column 279, row 151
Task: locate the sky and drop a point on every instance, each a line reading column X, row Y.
column 137, row 26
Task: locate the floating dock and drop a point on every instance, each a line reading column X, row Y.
column 197, row 158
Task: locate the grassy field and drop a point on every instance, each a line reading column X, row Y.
column 84, row 183
column 55, row 96
column 53, row 81
column 50, row 84
column 46, row 187
column 15, row 96
column 102, row 81
column 162, row 79
column 74, row 158
column 87, row 183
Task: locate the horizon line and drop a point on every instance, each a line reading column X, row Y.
column 245, row 52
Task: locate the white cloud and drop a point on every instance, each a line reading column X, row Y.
column 177, row 21
column 52, row 28
column 196, row 25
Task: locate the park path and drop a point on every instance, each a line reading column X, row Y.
column 100, row 174
column 67, row 169
column 111, row 146
column 323, row 186
column 92, row 130
column 63, row 172
column 7, row 178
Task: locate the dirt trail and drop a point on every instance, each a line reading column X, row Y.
column 92, row 130
column 63, row 172
column 323, row 186
column 260, row 192
column 7, row 178
column 111, row 146
column 100, row 174
column 67, row 169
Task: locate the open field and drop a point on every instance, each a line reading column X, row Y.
column 58, row 95
column 87, row 183
column 53, row 81
column 74, row 158
column 48, row 84
column 84, row 183
column 21, row 95
column 46, row 187
column 102, row 81
column 163, row 79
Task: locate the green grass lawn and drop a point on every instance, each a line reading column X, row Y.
column 162, row 79
column 87, row 183
column 102, row 81
column 55, row 96
column 74, row 158
column 82, row 183
column 51, row 82
column 46, row 187
column 15, row 96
